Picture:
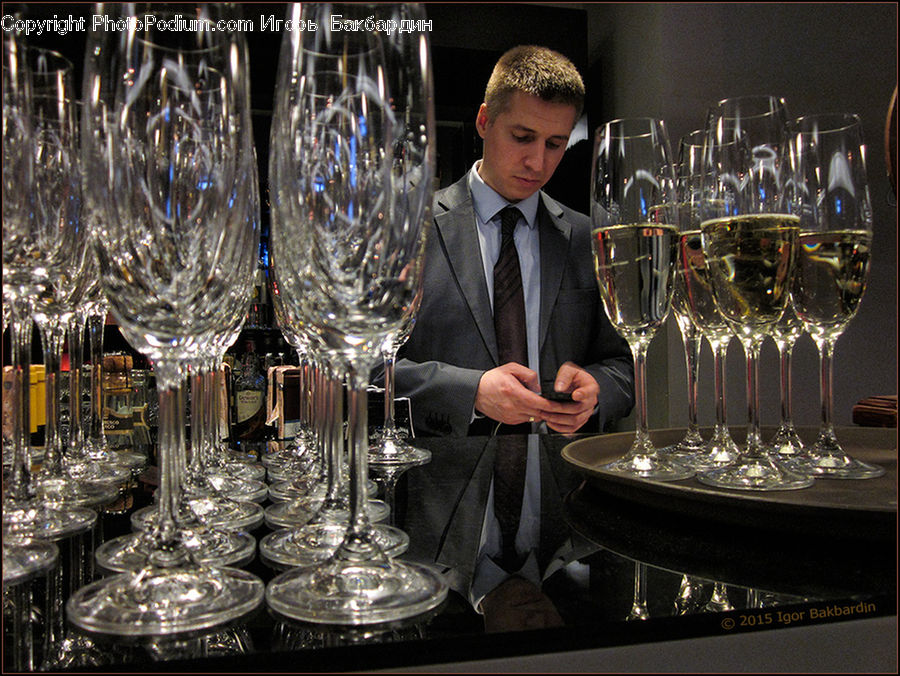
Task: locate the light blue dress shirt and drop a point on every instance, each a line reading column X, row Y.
column 488, row 205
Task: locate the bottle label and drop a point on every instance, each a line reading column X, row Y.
column 248, row 403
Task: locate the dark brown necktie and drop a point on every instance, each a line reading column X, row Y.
column 509, row 298
column 509, row 487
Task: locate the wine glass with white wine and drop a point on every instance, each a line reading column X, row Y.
column 750, row 240
column 635, row 240
column 833, row 266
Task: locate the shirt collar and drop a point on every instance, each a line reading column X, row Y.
column 488, row 202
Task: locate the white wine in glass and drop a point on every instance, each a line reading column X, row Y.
column 634, row 240
column 833, row 266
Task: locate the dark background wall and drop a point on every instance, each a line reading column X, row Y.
column 669, row 60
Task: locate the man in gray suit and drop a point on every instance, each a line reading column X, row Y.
column 450, row 367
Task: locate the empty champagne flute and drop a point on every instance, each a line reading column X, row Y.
column 750, row 241
column 32, row 255
column 334, row 238
column 409, row 76
column 178, row 177
column 635, row 241
column 833, row 267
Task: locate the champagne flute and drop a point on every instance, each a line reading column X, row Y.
column 331, row 188
column 835, row 244
column 31, row 256
column 178, row 177
column 58, row 199
column 750, row 241
column 635, row 250
column 409, row 76
column 693, row 294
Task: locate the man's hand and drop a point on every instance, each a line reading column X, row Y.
column 569, row 418
column 508, row 394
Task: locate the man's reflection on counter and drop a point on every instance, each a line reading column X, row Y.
column 524, row 574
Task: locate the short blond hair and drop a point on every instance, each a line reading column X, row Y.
column 534, row 70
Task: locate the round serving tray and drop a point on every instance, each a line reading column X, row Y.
column 858, row 508
column 838, row 536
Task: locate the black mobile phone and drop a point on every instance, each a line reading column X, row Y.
column 553, row 395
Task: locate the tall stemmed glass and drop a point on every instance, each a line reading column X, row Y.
column 31, row 255
column 58, row 199
column 214, row 498
column 179, row 148
column 97, row 96
column 635, row 251
column 693, row 293
column 786, row 442
column 833, row 267
column 336, row 240
column 687, row 190
column 408, row 68
column 750, row 241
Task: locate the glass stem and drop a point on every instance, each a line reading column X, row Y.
column 95, row 338
column 720, row 351
column 786, row 351
column 642, row 437
column 209, row 443
column 826, row 365
column 333, row 439
column 754, row 448
column 198, row 413
column 388, row 356
column 170, row 381
column 52, row 337
column 358, row 544
column 692, row 343
column 76, row 449
column 21, row 332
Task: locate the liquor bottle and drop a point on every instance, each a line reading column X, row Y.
column 250, row 398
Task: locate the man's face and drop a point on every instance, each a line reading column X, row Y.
column 524, row 144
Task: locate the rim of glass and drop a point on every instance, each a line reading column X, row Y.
column 650, row 126
column 836, row 122
column 768, row 98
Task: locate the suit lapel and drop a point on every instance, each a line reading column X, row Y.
column 459, row 234
column 554, row 238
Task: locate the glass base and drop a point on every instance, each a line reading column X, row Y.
column 247, row 471
column 833, row 466
column 689, row 446
column 94, row 472
column 719, row 451
column 342, row 592
column 214, row 512
column 31, row 518
column 754, row 474
column 314, row 543
column 299, row 512
column 25, row 558
column 390, row 449
column 297, row 489
column 129, row 553
column 164, row 600
column 64, row 492
column 236, row 489
column 646, row 466
column 786, row 443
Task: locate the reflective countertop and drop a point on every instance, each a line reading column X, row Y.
column 617, row 580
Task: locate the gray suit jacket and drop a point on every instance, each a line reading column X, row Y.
column 453, row 342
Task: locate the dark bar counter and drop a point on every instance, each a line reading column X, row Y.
column 811, row 585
